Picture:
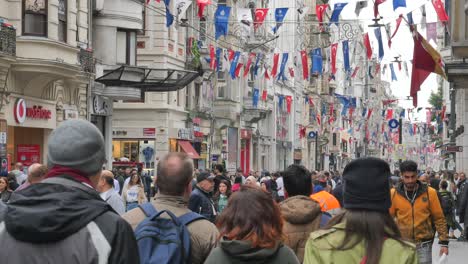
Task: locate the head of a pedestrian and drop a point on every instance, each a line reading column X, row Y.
column 297, row 180
column 276, row 175
column 239, row 172
column 366, row 199
column 106, row 182
column 251, row 181
column 206, row 181
column 266, row 185
column 175, row 172
column 462, row 176
column 409, row 174
column 238, row 179
column 135, row 178
column 252, row 216
column 443, row 185
column 77, row 146
column 424, row 179
column 36, row 173
column 4, row 185
column 224, row 188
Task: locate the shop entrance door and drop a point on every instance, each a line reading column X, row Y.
column 245, row 156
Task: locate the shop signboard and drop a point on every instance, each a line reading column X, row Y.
column 149, row 132
column 31, row 112
column 28, row 154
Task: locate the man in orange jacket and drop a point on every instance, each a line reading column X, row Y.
column 327, row 201
column 417, row 212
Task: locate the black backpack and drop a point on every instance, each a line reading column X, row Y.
column 447, row 203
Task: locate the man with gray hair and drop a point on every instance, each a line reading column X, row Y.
column 64, row 214
column 108, row 192
column 19, row 174
column 36, row 173
column 175, row 172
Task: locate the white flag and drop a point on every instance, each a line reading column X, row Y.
column 244, row 15
column 181, row 7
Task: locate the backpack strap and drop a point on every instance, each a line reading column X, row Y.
column 190, row 217
column 148, row 209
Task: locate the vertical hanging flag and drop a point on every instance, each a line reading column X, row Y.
column 394, row 78
column 368, row 46
column 291, row 72
column 410, row 18
column 264, row 95
column 364, row 112
column 288, row 103
column 280, row 14
column 231, row 54
column 305, row 65
column 275, row 65
column 218, row 59
column 389, row 113
column 244, row 16
column 260, row 15
column 377, row 68
column 280, row 101
column 284, row 61
column 249, row 63
column 346, row 57
column 398, row 3
column 440, row 10
column 376, row 7
column 257, row 64
column 181, row 7
column 169, row 16
column 266, row 73
column 256, row 94
column 369, row 113
column 356, row 69
column 311, row 101
column 201, row 6
column 378, row 35
column 398, row 22
column 317, row 61
column 431, row 31
column 359, row 6
column 222, row 20
column 335, row 17
column 226, row 59
column 402, row 113
column 234, row 63
column 320, row 11
column 212, row 58
column 334, row 48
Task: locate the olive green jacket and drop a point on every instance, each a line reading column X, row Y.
column 320, row 248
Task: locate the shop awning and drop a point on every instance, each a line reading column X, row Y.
column 187, row 148
column 147, row 79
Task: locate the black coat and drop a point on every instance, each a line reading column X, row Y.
column 201, row 203
column 463, row 207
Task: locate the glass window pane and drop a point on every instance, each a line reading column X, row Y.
column 35, row 24
column 132, row 48
column 121, row 49
column 62, row 31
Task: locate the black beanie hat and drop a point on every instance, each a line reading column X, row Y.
column 366, row 185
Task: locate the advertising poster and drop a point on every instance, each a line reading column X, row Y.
column 28, row 154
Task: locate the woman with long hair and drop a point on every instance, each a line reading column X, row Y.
column 365, row 232
column 5, row 191
column 133, row 194
column 221, row 196
column 251, row 231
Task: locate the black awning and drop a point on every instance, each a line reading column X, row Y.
column 149, row 80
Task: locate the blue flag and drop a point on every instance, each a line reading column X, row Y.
column 169, row 16
column 317, row 61
column 398, row 3
column 280, row 14
column 346, row 57
column 280, row 101
column 410, row 18
column 345, row 103
column 256, row 94
column 222, row 20
column 394, row 78
column 284, row 60
column 234, row 62
column 378, row 35
column 402, row 114
column 218, row 59
column 336, row 12
column 364, row 112
column 257, row 64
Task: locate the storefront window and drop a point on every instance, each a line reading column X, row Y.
column 141, row 151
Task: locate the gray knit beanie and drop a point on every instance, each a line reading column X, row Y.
column 77, row 144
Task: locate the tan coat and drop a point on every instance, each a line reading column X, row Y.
column 203, row 234
column 141, row 194
column 302, row 216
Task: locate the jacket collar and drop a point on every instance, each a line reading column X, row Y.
column 422, row 188
column 176, row 201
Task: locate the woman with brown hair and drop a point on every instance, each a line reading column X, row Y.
column 5, row 191
column 251, row 231
column 221, row 197
column 133, row 194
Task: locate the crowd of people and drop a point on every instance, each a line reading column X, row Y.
column 77, row 212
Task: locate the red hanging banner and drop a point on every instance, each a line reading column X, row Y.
column 238, row 69
column 389, row 114
column 266, row 74
column 398, row 22
column 368, row 46
column 311, row 102
column 275, row 65
column 201, row 6
column 320, row 10
column 288, row 103
column 376, row 7
column 291, row 72
column 440, row 10
column 249, row 63
column 264, row 95
column 334, row 48
column 355, row 72
column 260, row 15
column 231, row 54
column 212, row 58
column 369, row 113
column 305, row 65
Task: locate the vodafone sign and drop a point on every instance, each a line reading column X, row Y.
column 21, row 111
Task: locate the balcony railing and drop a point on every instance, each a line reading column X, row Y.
column 85, row 57
column 7, row 39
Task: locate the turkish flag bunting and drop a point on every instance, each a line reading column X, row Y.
column 320, row 10
column 305, row 65
column 377, row 68
column 212, row 58
column 356, row 69
column 291, row 72
column 288, row 103
column 376, row 7
column 264, row 95
column 440, row 10
column 231, row 54
column 389, row 114
column 148, row 1
column 311, row 101
column 201, row 6
column 275, row 64
column 238, row 69
column 398, row 22
column 334, row 48
column 260, row 15
column 318, row 120
column 266, row 74
column 249, row 63
column 368, row 46
column 369, row 113
column 442, row 114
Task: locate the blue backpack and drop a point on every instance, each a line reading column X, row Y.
column 164, row 240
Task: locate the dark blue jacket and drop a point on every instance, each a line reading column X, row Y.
column 201, row 203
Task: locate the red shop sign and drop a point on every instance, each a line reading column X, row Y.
column 21, row 111
column 28, row 154
column 149, row 132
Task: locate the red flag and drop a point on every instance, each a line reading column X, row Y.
column 238, row 69
column 389, row 114
column 311, row 102
column 288, row 103
column 305, row 65
column 387, row 102
column 266, row 74
column 249, row 63
column 425, row 60
column 231, row 54
column 376, row 7
column 147, row 1
column 399, row 65
column 369, row 113
column 302, row 131
column 318, row 120
column 201, row 6
column 334, row 48
column 291, row 72
column 260, row 15
column 398, row 22
column 442, row 115
column 264, row 95
column 355, row 72
column 377, row 68
column 320, row 10
column 440, row 10
column 275, row 64
column 212, row 58
column 368, row 46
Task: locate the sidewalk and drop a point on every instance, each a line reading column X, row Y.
column 457, row 251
